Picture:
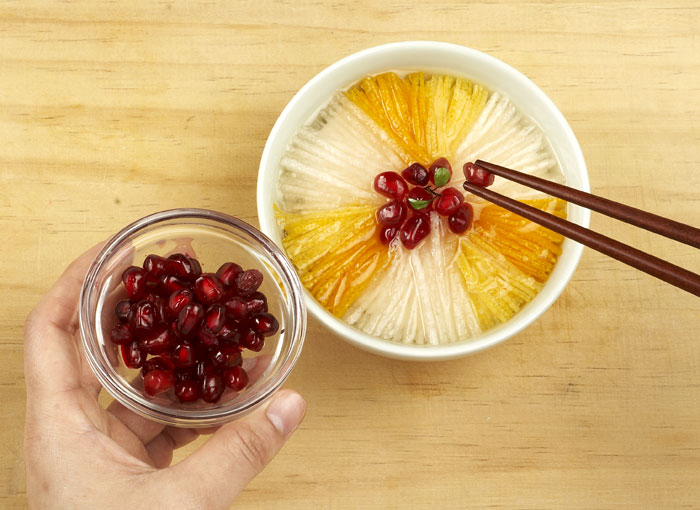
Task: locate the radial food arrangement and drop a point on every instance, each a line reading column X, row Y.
column 373, row 215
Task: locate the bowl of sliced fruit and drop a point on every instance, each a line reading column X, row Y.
column 191, row 317
column 360, row 184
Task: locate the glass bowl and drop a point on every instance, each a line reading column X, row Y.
column 213, row 238
column 456, row 60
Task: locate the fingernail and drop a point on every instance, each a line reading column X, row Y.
column 286, row 412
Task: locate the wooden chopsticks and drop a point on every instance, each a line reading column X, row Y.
column 670, row 273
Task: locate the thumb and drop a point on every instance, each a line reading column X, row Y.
column 221, row 468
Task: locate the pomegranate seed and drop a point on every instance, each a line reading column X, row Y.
column 392, row 213
column 157, row 381
column 214, row 318
column 265, row 324
column 133, row 355
column 181, row 266
column 122, row 310
column 252, row 340
column 390, row 185
column 121, row 334
column 189, row 318
column 145, row 316
column 158, row 341
column 440, row 163
column 157, row 363
column 212, row 387
column 227, row 273
column 236, row 378
column 257, row 303
column 172, row 283
column 416, row 174
column 416, row 228
column 247, row 282
column 164, row 313
column 387, row 234
column 448, row 202
column 461, row 220
column 208, row 288
column 477, row 175
column 229, row 331
column 420, row 199
column 179, row 299
column 156, row 265
column 187, row 390
column 225, row 356
column 196, row 267
column 237, row 308
column 207, row 337
column 134, row 279
column 184, row 355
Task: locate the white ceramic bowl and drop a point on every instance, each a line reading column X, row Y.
column 459, row 61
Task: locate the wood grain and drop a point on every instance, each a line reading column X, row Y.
column 112, row 110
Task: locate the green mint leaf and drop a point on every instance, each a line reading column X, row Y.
column 442, row 176
column 418, row 204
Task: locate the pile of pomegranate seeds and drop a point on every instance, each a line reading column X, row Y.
column 413, row 195
column 194, row 325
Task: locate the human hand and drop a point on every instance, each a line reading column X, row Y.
column 79, row 455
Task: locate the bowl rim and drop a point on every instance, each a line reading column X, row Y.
column 491, row 337
column 205, row 416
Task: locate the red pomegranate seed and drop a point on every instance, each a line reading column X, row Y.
column 187, row 390
column 461, row 220
column 171, row 283
column 257, row 303
column 156, row 265
column 227, row 273
column 247, row 282
column 236, row 378
column 145, row 316
column 237, row 308
column 208, row 288
column 229, row 331
column 225, row 356
column 252, row 340
column 184, row 355
column 392, row 213
column 420, row 199
column 189, row 318
column 477, row 175
column 214, row 318
column 121, row 334
column 157, row 363
column 440, row 163
column 164, row 314
column 212, row 387
column 387, row 234
column 207, row 337
column 133, row 355
column 416, row 174
column 157, row 381
column 416, row 228
column 182, row 266
column 134, row 279
column 390, row 185
column 265, row 324
column 448, row 202
column 157, row 341
column 122, row 310
column 179, row 299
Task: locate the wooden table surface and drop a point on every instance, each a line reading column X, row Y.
column 113, row 110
